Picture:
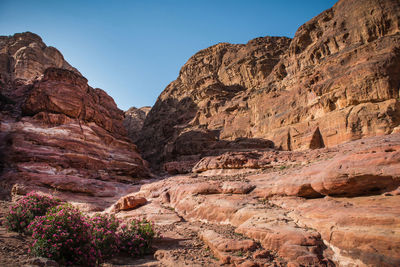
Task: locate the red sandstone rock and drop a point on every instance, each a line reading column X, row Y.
column 233, row 160
column 336, row 81
column 220, row 73
column 236, row 188
column 129, row 202
column 56, row 131
column 67, row 93
column 28, row 57
column 134, row 120
column 296, row 221
column 361, row 231
column 176, row 167
column 364, row 169
column 262, row 254
column 153, row 211
column 223, row 247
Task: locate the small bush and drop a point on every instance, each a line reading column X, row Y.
column 67, row 236
column 104, row 236
column 23, row 212
column 64, row 236
column 136, row 238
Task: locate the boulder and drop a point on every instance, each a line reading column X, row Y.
column 129, row 202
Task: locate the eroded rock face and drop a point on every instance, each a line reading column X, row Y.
column 24, row 56
column 324, row 207
column 134, row 120
column 224, row 247
column 336, row 81
column 58, row 133
column 180, row 121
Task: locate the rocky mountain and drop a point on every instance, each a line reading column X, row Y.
column 337, row 80
column 134, row 120
column 207, row 83
column 292, row 146
column 24, row 56
column 57, row 132
column 292, row 143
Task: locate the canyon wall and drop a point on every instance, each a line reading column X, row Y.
column 57, row 132
column 337, row 80
column 134, row 120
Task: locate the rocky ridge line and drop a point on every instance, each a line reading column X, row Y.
column 336, row 81
column 57, row 132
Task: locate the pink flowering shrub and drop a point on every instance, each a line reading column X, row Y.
column 104, row 236
column 67, row 236
column 63, row 235
column 136, row 237
column 26, row 209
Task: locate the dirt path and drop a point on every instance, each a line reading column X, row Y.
column 13, row 246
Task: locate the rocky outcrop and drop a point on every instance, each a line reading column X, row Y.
column 133, row 121
column 336, row 81
column 24, row 56
column 353, row 169
column 57, row 132
column 225, row 248
column 129, row 202
column 189, row 148
column 207, row 84
column 318, row 207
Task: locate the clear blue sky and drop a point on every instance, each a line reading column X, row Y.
column 134, row 49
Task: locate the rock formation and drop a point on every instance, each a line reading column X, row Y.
column 24, row 56
column 292, row 146
column 325, row 190
column 133, row 121
column 210, row 80
column 58, row 133
column 311, row 208
column 336, row 81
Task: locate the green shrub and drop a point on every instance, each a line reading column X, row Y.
column 63, row 235
column 67, row 236
column 104, row 235
column 136, row 238
column 26, row 209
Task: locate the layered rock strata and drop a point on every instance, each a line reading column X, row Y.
column 326, row 207
column 337, row 80
column 57, row 132
column 134, row 120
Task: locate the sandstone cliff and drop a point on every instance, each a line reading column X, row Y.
column 337, row 80
column 134, row 120
column 58, row 133
column 24, row 56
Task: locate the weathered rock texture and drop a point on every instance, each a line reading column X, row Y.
column 58, row 133
column 337, row 80
column 183, row 123
column 24, row 56
column 133, row 121
column 324, row 207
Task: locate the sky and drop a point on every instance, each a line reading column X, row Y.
column 134, row 49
